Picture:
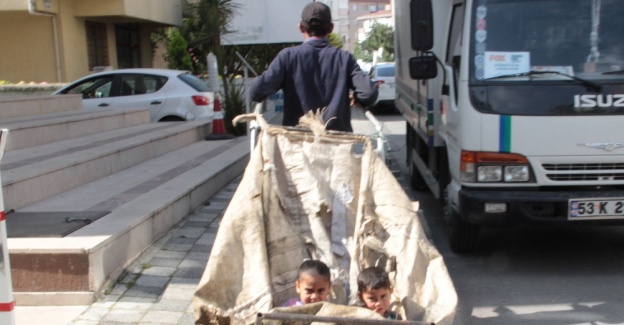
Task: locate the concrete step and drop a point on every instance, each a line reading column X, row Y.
column 20, row 106
column 34, row 174
column 35, row 130
column 145, row 201
column 149, row 177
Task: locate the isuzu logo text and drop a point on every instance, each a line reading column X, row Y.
column 589, row 100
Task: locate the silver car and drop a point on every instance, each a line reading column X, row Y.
column 171, row 95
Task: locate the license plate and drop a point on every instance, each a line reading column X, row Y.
column 596, row 208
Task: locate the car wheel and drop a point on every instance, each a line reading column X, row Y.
column 463, row 236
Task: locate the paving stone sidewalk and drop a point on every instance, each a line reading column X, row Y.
column 158, row 286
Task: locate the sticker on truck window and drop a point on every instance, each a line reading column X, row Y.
column 505, row 63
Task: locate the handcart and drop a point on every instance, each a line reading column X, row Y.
column 311, row 193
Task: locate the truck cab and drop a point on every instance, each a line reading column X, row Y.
column 514, row 110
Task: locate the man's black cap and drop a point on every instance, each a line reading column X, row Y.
column 316, row 11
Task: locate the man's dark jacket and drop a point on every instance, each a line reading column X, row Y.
column 315, row 75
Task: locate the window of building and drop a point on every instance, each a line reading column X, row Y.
column 127, row 41
column 372, row 8
column 97, row 44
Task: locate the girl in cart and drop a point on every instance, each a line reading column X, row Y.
column 313, row 283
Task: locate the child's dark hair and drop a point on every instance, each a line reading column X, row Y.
column 373, row 278
column 314, row 268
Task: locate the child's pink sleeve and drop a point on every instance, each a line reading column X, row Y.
column 292, row 302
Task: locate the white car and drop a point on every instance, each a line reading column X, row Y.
column 383, row 74
column 171, row 95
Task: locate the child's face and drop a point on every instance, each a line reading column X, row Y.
column 312, row 288
column 377, row 299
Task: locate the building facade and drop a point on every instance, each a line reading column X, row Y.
column 62, row 40
column 357, row 9
column 366, row 22
column 345, row 14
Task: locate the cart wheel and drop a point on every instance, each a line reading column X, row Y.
column 463, row 236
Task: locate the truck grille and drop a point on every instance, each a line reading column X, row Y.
column 585, row 172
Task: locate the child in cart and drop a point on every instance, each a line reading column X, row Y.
column 375, row 291
column 313, row 283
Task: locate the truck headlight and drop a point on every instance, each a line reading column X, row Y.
column 490, row 173
column 517, row 174
column 492, row 167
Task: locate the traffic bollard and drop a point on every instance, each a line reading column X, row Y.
column 7, row 304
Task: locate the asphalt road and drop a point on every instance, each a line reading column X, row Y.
column 518, row 276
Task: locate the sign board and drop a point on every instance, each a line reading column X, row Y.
column 505, row 63
column 265, row 22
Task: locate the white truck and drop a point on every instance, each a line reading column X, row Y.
column 514, row 109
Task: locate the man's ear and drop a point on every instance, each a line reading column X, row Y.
column 297, row 286
column 301, row 29
column 331, row 28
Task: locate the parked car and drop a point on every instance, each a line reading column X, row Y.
column 383, row 74
column 171, row 95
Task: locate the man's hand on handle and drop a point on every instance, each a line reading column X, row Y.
column 353, row 101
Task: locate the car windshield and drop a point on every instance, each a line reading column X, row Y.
column 579, row 38
column 194, row 82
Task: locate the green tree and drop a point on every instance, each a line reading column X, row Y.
column 360, row 54
column 202, row 29
column 380, row 37
column 177, row 55
column 335, row 40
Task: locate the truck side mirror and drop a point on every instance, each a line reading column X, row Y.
column 423, row 67
column 421, row 17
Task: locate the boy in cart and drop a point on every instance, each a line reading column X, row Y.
column 375, row 291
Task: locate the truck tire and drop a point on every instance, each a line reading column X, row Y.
column 463, row 236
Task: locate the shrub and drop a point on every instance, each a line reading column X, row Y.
column 234, row 105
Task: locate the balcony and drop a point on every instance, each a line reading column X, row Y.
column 166, row 12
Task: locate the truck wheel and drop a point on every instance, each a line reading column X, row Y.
column 416, row 180
column 463, row 236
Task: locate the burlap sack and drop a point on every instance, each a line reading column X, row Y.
column 327, row 197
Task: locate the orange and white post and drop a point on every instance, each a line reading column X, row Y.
column 7, row 304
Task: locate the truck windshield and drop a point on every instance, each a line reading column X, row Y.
column 581, row 38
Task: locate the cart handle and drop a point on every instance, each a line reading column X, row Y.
column 329, row 319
